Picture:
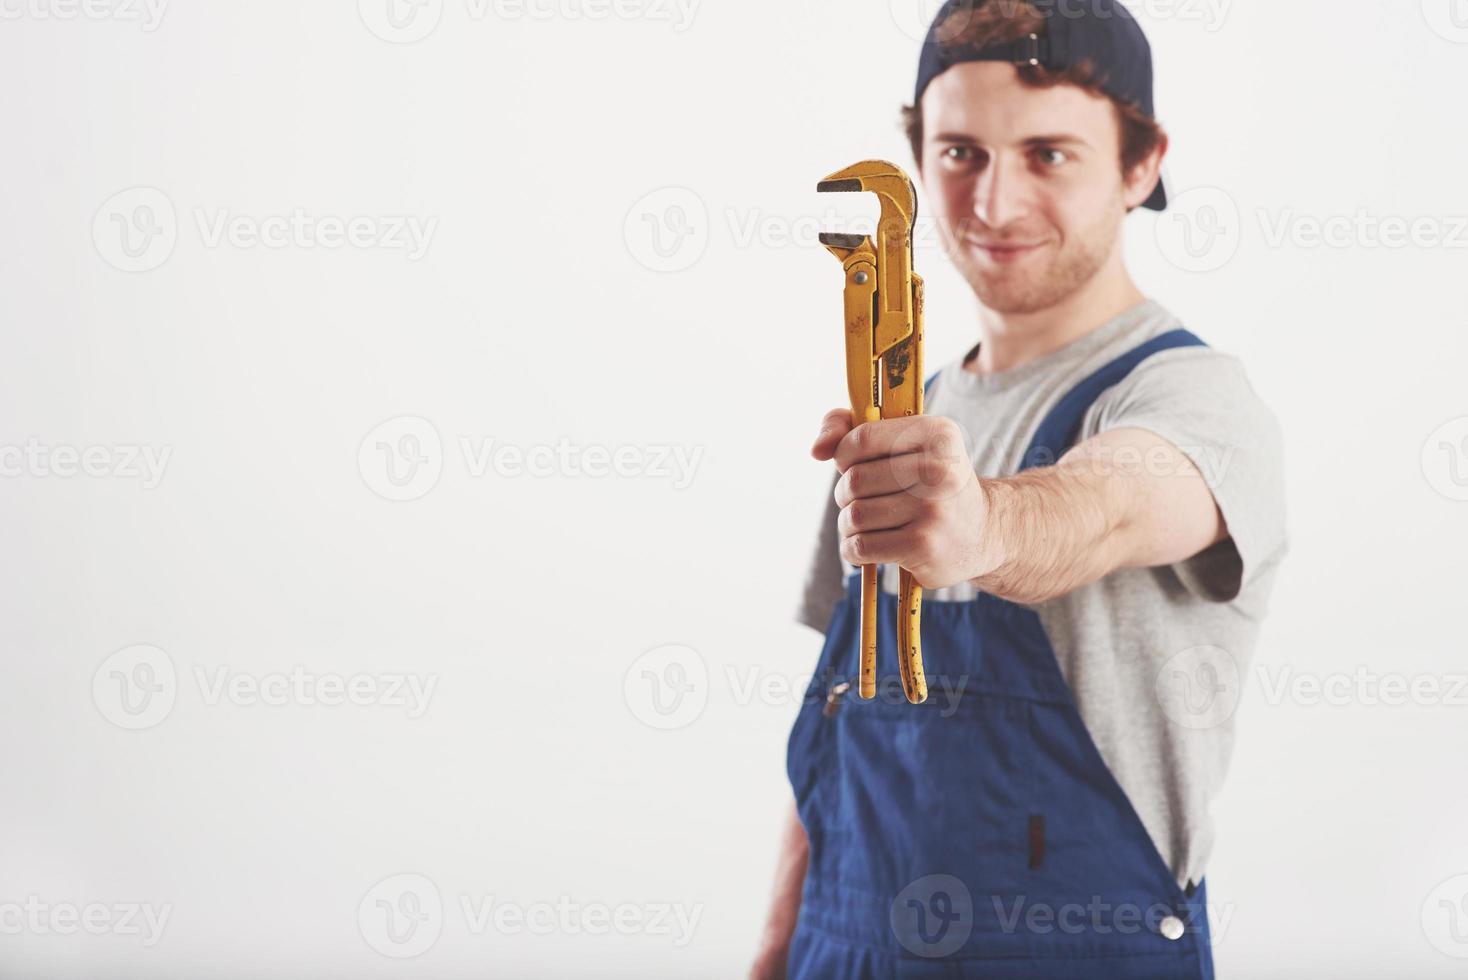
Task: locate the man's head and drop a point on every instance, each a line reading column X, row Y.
column 1030, row 170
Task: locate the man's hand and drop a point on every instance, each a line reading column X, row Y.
column 908, row 495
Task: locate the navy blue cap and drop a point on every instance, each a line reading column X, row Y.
column 1101, row 31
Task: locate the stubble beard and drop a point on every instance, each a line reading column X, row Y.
column 1031, row 286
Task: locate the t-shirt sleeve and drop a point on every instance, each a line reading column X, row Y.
column 1200, row 400
column 823, row 579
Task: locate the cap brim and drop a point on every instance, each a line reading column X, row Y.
column 1158, row 200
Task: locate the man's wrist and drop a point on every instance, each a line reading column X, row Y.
column 989, row 544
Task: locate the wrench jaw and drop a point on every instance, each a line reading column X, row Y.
column 884, row 371
column 898, row 199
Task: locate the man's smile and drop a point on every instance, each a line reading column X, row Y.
column 1005, row 252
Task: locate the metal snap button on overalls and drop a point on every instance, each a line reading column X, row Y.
column 1171, row 928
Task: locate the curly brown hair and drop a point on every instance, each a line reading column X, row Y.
column 1005, row 21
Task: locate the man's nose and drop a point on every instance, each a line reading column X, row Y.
column 1001, row 193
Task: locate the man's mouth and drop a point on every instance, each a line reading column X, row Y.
column 1002, row 253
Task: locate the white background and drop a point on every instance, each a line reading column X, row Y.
column 539, row 312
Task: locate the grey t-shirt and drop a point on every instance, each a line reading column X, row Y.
column 1156, row 657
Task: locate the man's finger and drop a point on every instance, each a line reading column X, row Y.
column 833, row 429
column 875, row 514
column 875, row 547
column 886, row 437
column 878, row 478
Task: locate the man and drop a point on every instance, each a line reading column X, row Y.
column 1093, row 505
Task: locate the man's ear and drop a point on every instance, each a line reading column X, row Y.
column 1138, row 185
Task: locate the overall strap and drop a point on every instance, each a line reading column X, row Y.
column 1059, row 429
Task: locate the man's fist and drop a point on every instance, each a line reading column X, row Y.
column 908, row 495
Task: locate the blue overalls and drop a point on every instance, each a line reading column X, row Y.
column 978, row 834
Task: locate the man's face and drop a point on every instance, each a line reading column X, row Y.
column 1026, row 183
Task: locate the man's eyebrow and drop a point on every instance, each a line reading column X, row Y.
column 1052, row 139
column 1056, row 138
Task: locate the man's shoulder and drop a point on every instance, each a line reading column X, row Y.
column 1143, row 324
column 1187, row 368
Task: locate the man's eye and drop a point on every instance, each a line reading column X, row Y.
column 960, row 154
column 1051, row 157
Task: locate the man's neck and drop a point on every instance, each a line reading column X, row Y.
column 1011, row 340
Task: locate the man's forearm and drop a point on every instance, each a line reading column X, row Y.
column 1048, row 532
column 785, row 902
column 1052, row 530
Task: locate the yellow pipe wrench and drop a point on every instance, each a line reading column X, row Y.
column 884, row 373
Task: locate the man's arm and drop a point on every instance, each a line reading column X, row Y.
column 909, row 495
column 1124, row 499
column 774, row 949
